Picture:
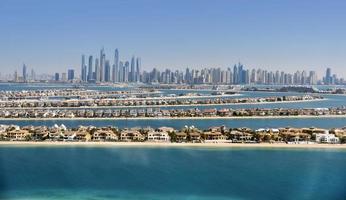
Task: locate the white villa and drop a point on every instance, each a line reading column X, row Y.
column 158, row 136
column 327, row 138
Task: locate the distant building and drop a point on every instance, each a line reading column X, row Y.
column 90, row 68
column 25, row 75
column 56, row 77
column 328, row 78
column 327, row 138
column 63, row 77
column 83, row 69
column 107, row 71
column 70, row 74
column 115, row 69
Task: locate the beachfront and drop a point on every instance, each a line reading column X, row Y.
column 157, row 113
column 163, row 135
column 177, row 145
column 164, row 101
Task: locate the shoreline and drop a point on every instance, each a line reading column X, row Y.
column 170, row 145
column 158, row 106
column 176, row 118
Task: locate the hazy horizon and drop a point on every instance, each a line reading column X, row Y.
column 275, row 35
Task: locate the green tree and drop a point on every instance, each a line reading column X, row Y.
column 28, row 138
column 343, row 140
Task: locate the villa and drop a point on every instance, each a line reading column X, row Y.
column 327, row 138
column 194, row 137
column 158, row 136
column 214, row 137
column 104, row 135
column 129, row 135
column 181, row 136
column 18, row 135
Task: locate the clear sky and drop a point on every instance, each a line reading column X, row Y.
column 273, row 34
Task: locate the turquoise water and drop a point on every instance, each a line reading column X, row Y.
column 171, row 173
column 331, row 100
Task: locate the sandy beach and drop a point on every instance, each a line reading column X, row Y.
column 163, row 145
column 177, row 118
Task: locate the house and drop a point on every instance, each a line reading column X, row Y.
column 158, row 136
column 131, row 135
column 181, row 137
column 166, row 129
column 69, row 135
column 104, row 135
column 327, row 138
column 194, row 136
column 18, row 135
column 209, row 112
column 242, row 136
column 214, row 137
column 223, row 112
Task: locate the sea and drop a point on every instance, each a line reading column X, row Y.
column 170, row 173
column 146, row 173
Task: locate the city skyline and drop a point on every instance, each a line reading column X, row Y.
column 130, row 71
column 288, row 35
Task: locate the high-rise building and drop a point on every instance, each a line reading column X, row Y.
column 63, row 77
column 312, row 78
column 83, row 69
column 126, row 71
column 97, row 70
column 235, row 74
column 25, row 78
column 56, row 77
column 102, row 64
column 15, row 76
column 138, row 69
column 115, row 69
column 107, row 71
column 90, row 68
column 70, row 74
column 133, row 71
column 328, row 78
column 121, row 72
column 33, row 75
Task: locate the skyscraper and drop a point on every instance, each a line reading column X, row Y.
column 63, row 77
column 312, row 78
column 102, row 63
column 83, row 69
column 126, row 71
column 56, row 78
column 107, row 77
column 235, row 74
column 33, row 75
column 24, row 73
column 115, row 70
column 97, row 70
column 328, row 78
column 133, row 71
column 121, row 72
column 70, row 74
column 90, row 70
column 138, row 69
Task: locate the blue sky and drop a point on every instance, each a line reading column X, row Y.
column 273, row 34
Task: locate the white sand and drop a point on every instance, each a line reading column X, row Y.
column 152, row 144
